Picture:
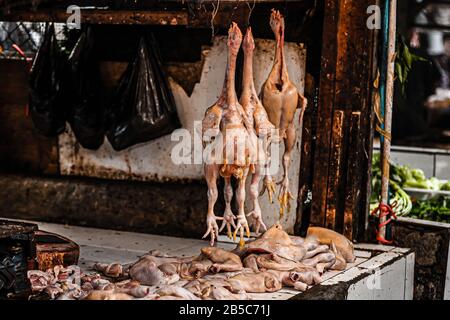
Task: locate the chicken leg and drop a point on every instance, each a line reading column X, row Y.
column 228, row 217
column 242, row 224
column 212, row 173
column 280, row 98
column 259, row 120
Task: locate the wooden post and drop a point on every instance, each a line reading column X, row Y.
column 325, row 112
column 342, row 158
column 337, row 144
column 354, row 178
column 388, row 115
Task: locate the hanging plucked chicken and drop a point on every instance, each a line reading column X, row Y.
column 143, row 108
column 281, row 98
column 230, row 152
column 259, row 120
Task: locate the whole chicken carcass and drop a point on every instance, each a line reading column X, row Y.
column 280, row 98
column 223, row 261
column 261, row 282
column 228, row 149
column 259, row 120
column 339, row 243
column 277, row 241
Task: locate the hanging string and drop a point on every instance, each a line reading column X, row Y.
column 251, row 11
column 377, row 110
column 213, row 16
column 232, row 14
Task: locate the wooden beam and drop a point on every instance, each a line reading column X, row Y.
column 337, row 145
column 345, row 86
column 102, row 17
column 325, row 112
column 354, row 178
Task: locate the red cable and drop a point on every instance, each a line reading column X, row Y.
column 384, row 211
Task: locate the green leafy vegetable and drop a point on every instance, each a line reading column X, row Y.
column 445, row 186
column 434, row 210
column 399, row 200
column 404, row 60
column 405, row 177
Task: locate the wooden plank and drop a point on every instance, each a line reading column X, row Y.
column 303, row 215
column 325, row 112
column 352, row 193
column 367, row 133
column 345, row 84
column 102, row 17
column 334, row 179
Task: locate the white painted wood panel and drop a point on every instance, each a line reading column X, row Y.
column 152, row 161
column 409, row 276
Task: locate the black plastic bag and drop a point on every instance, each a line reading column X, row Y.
column 84, row 93
column 46, row 105
column 143, row 108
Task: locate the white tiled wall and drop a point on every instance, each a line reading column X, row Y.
column 435, row 163
column 443, row 167
column 415, row 160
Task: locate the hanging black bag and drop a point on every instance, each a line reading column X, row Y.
column 47, row 109
column 143, row 108
column 87, row 112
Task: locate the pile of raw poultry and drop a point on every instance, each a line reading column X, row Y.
column 265, row 265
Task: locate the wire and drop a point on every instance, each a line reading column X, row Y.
column 232, row 13
column 251, row 11
column 213, row 16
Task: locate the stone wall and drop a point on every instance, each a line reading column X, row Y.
column 430, row 243
column 175, row 209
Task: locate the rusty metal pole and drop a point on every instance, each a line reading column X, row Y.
column 386, row 154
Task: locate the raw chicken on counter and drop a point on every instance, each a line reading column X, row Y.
column 267, row 264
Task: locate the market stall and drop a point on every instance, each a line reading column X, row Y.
column 117, row 124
